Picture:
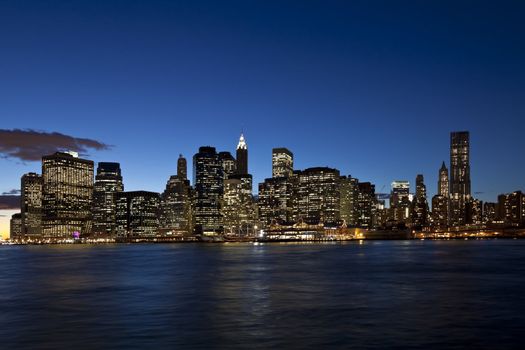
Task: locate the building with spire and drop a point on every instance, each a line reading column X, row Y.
column 242, row 156
column 440, row 202
column 176, row 210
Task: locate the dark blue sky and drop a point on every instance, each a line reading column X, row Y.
column 372, row 88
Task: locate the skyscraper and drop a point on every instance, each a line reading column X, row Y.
column 67, row 195
column 137, row 213
column 108, row 182
column 440, row 202
column 242, row 156
column 349, row 194
column 15, row 226
column 209, row 186
column 318, row 195
column 400, row 201
column 282, row 162
column 419, row 212
column 459, row 176
column 238, row 209
column 31, row 205
column 176, row 202
column 229, row 165
column 275, row 201
column 366, row 205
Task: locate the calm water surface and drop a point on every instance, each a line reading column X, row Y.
column 382, row 294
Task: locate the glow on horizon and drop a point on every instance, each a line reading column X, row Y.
column 5, row 217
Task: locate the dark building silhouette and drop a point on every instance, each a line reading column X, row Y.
column 31, row 205
column 136, row 213
column 242, row 156
column 459, row 177
column 366, row 205
column 400, row 201
column 108, row 182
column 67, row 195
column 282, row 162
column 176, row 202
column 209, row 187
column 440, row 202
column 229, row 164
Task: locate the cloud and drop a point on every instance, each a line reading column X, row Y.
column 12, row 192
column 9, row 202
column 31, row 145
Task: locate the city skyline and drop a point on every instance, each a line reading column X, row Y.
column 372, row 90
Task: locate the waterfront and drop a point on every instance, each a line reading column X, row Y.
column 368, row 294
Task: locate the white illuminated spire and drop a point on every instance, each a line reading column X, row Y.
column 242, row 143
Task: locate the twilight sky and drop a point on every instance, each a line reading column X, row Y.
column 372, row 88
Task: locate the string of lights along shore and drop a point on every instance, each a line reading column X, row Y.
column 69, row 201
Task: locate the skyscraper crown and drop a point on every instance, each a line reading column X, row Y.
column 242, row 143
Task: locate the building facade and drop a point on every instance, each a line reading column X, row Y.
column 137, row 213
column 108, row 182
column 282, row 162
column 67, row 194
column 31, row 204
column 209, row 188
column 460, row 192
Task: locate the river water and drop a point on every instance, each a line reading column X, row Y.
column 373, row 294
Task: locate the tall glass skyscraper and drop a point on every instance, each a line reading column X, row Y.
column 459, row 176
column 242, row 156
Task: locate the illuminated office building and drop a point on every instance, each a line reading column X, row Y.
column 137, row 213
column 67, row 195
column 400, row 201
column 317, row 195
column 31, row 205
column 238, row 209
column 365, row 205
column 15, row 226
column 209, row 186
column 282, row 162
column 349, row 195
column 229, row 165
column 275, row 206
column 108, row 182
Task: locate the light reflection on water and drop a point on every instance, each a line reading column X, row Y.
column 404, row 294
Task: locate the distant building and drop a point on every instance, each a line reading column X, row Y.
column 282, row 162
column 67, row 195
column 317, row 195
column 209, row 187
column 108, row 182
column 15, row 226
column 489, row 212
column 474, row 212
column 136, row 213
column 419, row 209
column 511, row 208
column 176, row 210
column 242, row 156
column 400, row 201
column 459, row 177
column 348, row 202
column 440, row 202
column 31, row 205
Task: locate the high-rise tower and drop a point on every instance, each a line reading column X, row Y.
column 182, row 168
column 242, row 156
column 108, row 182
column 31, row 204
column 443, row 183
column 282, row 162
column 459, row 176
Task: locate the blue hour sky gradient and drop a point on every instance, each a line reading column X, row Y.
column 372, row 88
